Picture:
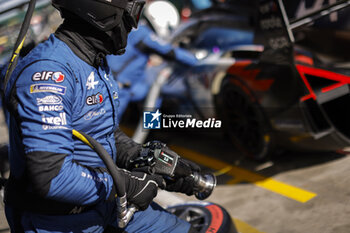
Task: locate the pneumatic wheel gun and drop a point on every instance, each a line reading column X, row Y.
column 167, row 163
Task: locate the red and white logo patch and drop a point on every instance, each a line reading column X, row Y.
column 57, row 76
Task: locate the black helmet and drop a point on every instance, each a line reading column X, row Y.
column 102, row 14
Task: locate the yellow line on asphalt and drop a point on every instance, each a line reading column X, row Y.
column 223, row 171
column 240, row 174
column 286, row 190
column 234, row 181
column 243, row 227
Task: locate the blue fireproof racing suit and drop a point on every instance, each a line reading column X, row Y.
column 51, row 92
column 131, row 67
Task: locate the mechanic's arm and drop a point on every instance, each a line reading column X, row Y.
column 127, row 149
column 151, row 44
column 50, row 148
column 47, row 138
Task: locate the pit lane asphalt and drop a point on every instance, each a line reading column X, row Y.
column 294, row 192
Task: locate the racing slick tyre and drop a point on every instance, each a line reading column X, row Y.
column 205, row 217
column 4, row 161
column 4, row 170
column 244, row 120
column 2, row 194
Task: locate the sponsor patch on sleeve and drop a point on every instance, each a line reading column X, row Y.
column 50, row 99
column 54, row 122
column 50, row 103
column 56, row 76
column 53, row 88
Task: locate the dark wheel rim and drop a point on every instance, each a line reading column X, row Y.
column 195, row 216
column 2, row 197
column 244, row 122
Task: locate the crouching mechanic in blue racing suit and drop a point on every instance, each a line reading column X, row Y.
column 58, row 183
column 130, row 68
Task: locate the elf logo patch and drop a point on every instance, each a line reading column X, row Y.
column 94, row 99
column 58, row 76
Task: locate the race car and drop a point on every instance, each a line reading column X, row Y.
column 277, row 92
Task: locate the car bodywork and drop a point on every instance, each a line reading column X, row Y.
column 274, row 93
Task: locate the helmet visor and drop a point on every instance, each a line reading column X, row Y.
column 133, row 12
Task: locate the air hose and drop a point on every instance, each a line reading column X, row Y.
column 124, row 212
column 106, row 158
column 19, row 42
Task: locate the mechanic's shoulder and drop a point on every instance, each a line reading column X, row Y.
column 50, row 53
column 54, row 50
column 44, row 69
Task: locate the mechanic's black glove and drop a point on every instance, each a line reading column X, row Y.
column 178, row 179
column 192, row 165
column 141, row 188
column 147, row 155
column 127, row 149
column 183, row 184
